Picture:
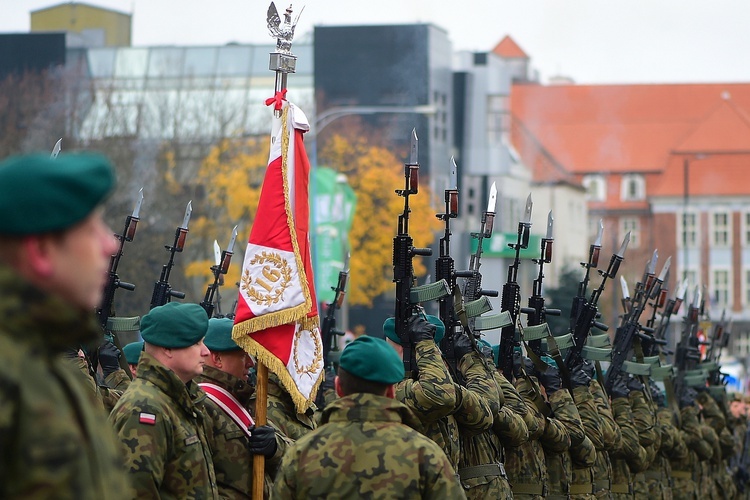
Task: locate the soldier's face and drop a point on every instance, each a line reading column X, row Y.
column 236, row 363
column 77, row 262
column 187, row 363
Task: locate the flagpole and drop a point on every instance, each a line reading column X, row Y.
column 261, row 401
column 283, row 62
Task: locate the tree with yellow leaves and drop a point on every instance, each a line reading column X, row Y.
column 374, row 174
column 231, row 175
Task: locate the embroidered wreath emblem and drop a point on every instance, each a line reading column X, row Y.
column 317, row 362
column 276, row 275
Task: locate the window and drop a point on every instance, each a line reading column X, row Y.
column 746, row 294
column 721, row 229
column 596, row 187
column 633, row 188
column 498, row 118
column 633, row 225
column 689, row 230
column 746, row 229
column 720, row 296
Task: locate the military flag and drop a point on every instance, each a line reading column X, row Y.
column 277, row 317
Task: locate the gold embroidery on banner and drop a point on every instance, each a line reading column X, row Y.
column 276, row 276
column 315, row 366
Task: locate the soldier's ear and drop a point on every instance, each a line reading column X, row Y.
column 36, row 252
column 337, row 386
column 390, row 391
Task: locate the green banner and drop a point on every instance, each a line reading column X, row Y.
column 334, row 207
column 497, row 246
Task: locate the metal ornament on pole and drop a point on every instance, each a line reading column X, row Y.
column 282, row 61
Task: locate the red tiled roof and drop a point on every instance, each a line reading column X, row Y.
column 629, row 128
column 507, row 48
column 709, row 175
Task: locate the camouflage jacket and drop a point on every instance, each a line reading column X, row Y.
column 433, row 398
column 611, row 436
column 367, row 448
column 232, row 459
column 53, row 436
column 282, row 412
column 481, row 454
column 163, row 432
column 582, row 484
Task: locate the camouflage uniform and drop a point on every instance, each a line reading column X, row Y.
column 581, row 452
column 629, row 453
column 283, row 413
column 525, row 464
column 481, row 466
column 53, row 437
column 232, row 459
column 645, row 423
column 715, row 417
column 684, row 470
column 368, row 448
column 440, row 404
column 659, row 475
column 168, row 457
column 611, row 437
column 582, row 483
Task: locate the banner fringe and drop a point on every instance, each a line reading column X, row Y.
column 270, row 320
column 274, row 364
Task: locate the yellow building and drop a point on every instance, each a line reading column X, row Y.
column 94, row 26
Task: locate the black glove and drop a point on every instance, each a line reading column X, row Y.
column 581, row 376
column 635, row 384
column 529, row 366
column 462, row 346
column 262, row 440
column 620, row 387
column 657, row 395
column 109, row 358
column 550, row 380
column 420, row 329
column 687, row 398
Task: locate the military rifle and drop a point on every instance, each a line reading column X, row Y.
column 579, row 301
column 408, row 296
column 630, row 328
column 588, row 311
column 328, row 331
column 163, row 292
column 536, row 312
column 687, row 354
column 105, row 311
column 219, row 270
column 511, row 300
column 445, row 269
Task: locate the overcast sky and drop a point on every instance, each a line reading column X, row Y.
column 592, row 41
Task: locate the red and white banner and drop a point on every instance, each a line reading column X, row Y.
column 277, row 317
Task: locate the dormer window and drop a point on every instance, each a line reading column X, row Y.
column 633, row 188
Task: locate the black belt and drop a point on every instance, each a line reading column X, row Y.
column 482, row 470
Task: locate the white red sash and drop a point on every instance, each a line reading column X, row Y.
column 230, row 405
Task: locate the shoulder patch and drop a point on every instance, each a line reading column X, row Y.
column 147, row 418
column 191, row 440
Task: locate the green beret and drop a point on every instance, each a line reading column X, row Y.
column 389, row 328
column 372, row 359
column 174, row 325
column 219, row 335
column 132, row 352
column 41, row 195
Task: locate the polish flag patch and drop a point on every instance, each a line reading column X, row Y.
column 147, row 418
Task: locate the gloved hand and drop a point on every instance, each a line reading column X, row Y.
column 581, row 376
column 550, row 380
column 109, row 358
column 262, row 440
column 688, row 397
column 529, row 366
column 620, row 387
column 420, row 329
column 657, row 395
column 635, row 384
column 462, row 346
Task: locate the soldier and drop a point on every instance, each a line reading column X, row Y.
column 132, row 353
column 439, row 403
column 368, row 445
column 685, row 470
column 158, row 418
column 526, row 464
column 234, row 440
column 630, row 452
column 283, row 412
column 54, row 253
column 644, row 416
column 659, row 474
column 582, row 484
